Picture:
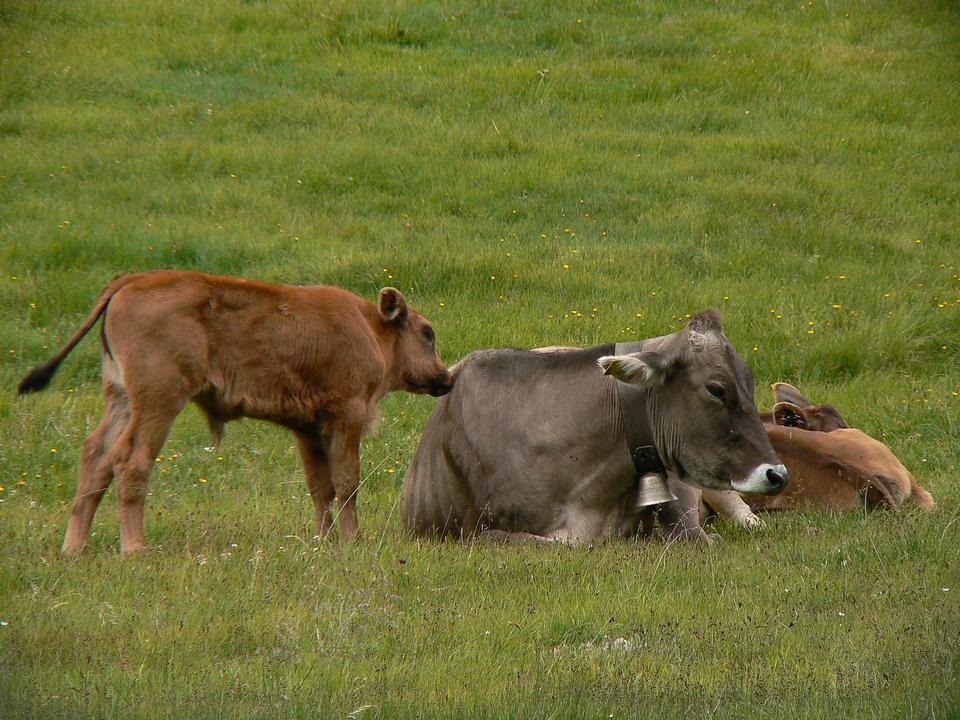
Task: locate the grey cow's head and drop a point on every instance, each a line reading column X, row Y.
column 701, row 406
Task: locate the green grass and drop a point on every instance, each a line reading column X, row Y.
column 528, row 174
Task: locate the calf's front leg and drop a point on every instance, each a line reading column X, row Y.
column 317, row 474
column 343, row 455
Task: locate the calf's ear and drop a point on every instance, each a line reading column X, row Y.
column 643, row 368
column 789, row 415
column 785, row 392
column 882, row 490
column 393, row 306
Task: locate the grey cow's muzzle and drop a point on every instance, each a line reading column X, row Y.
column 766, row 479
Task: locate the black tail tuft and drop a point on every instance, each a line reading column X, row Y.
column 37, row 379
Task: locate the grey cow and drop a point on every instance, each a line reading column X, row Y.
column 534, row 444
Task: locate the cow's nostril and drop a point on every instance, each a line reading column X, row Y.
column 777, row 479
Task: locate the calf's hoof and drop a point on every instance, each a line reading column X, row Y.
column 134, row 549
column 72, row 550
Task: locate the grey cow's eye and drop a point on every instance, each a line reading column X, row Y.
column 715, row 389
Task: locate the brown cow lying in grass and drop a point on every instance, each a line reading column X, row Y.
column 314, row 359
column 832, row 466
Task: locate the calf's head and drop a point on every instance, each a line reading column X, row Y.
column 832, row 461
column 416, row 363
column 700, row 402
column 794, row 410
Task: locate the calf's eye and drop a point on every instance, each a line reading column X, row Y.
column 428, row 335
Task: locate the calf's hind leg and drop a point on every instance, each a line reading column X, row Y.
column 96, row 468
column 133, row 458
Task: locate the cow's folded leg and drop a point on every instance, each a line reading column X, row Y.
column 680, row 519
column 679, row 522
column 678, row 533
column 504, row 537
column 729, row 504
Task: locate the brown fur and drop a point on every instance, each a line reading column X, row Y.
column 840, row 470
column 314, row 359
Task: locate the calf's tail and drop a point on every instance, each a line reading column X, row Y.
column 40, row 376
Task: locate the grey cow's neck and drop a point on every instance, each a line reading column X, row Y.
column 635, row 412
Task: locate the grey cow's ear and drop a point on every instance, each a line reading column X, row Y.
column 393, row 306
column 644, row 368
column 704, row 330
column 706, row 322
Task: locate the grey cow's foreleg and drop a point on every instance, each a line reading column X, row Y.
column 729, row 504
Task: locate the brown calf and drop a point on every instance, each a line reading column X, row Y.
column 314, row 359
column 832, row 466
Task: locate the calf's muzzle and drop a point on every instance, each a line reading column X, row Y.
column 441, row 384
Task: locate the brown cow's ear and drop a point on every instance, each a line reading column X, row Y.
column 884, row 491
column 789, row 415
column 643, row 368
column 393, row 306
column 785, row 392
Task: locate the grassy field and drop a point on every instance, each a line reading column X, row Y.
column 528, row 174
